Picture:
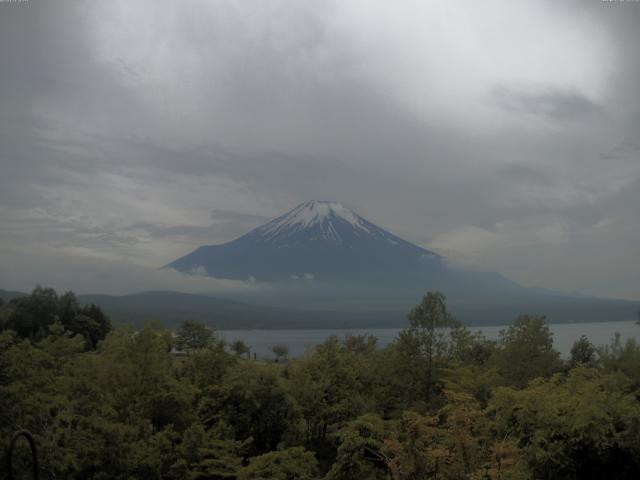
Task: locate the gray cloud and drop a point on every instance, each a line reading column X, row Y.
column 548, row 102
column 502, row 135
column 70, row 271
column 218, row 214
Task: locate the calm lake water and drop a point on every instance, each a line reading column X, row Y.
column 302, row 341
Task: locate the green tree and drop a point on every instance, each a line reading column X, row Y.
column 327, row 387
column 415, row 447
column 575, row 426
column 92, row 323
column 252, row 400
column 67, row 309
column 135, row 375
column 206, row 367
column 470, row 347
column 526, row 351
column 360, row 451
column 32, row 315
column 621, row 357
column 582, row 353
column 5, row 312
column 280, row 351
column 291, row 464
column 425, row 342
column 27, row 384
column 454, row 443
column 360, row 344
column 192, row 335
column 61, row 345
column 88, row 320
column 206, row 454
column 240, row 348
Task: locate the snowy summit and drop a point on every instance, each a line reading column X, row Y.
column 317, row 220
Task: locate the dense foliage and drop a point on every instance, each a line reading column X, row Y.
column 438, row 403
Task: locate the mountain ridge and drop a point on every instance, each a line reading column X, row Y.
column 224, row 313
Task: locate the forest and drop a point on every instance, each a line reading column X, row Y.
column 440, row 402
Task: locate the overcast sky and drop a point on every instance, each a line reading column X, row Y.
column 504, row 135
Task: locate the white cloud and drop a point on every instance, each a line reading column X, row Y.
column 440, row 59
column 550, row 254
column 83, row 272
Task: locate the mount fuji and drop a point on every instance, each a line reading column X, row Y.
column 326, row 265
column 327, row 242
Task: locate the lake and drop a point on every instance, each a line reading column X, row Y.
column 302, row 341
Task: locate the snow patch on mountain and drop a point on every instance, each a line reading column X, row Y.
column 322, row 214
column 198, row 270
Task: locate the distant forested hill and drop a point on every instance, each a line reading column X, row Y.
column 362, row 310
column 7, row 295
column 172, row 308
